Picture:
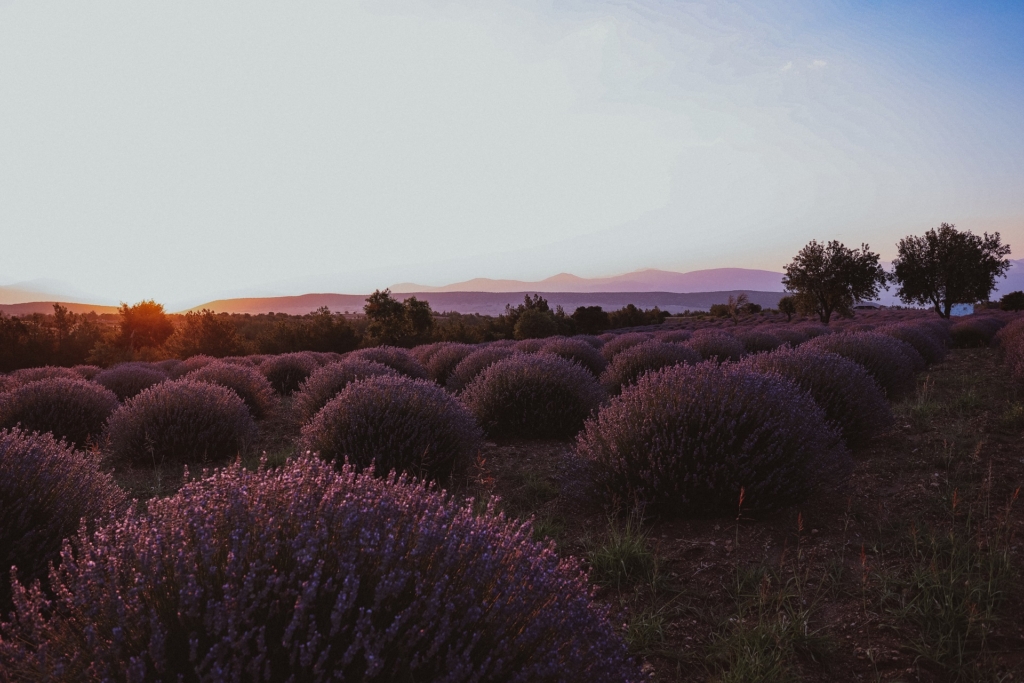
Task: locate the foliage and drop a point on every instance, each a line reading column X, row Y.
column 576, row 351
column 830, row 278
column 473, row 364
column 206, row 333
column 46, row 488
column 787, row 305
column 974, row 331
column 394, row 422
column 716, row 345
column 757, row 340
column 946, row 266
column 533, row 396
column 320, row 331
column 850, row 397
column 248, row 382
column 230, row 580
column 443, row 360
column 591, row 319
column 893, row 363
column 620, row 342
column 698, row 438
column 395, row 358
column 535, row 324
column 288, row 370
column 143, row 325
column 922, row 339
column 1012, row 301
column 328, row 380
column 395, row 323
column 26, row 375
column 74, row 410
column 631, row 316
column 63, row 338
column 180, row 421
column 636, row 361
column 128, row 379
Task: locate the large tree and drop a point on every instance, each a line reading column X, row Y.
column 830, row 278
column 946, row 266
column 143, row 325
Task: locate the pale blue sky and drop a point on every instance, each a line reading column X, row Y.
column 192, row 150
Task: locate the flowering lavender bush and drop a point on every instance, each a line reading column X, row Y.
column 287, row 371
column 172, row 367
column 794, row 336
column 71, row 409
column 674, row 336
column 924, row 341
column 26, row 375
column 716, row 345
column 183, row 420
column 594, row 341
column 443, row 360
column 395, row 422
column 1011, row 343
column 193, row 363
column 974, row 331
column 938, row 329
column 46, row 488
column 758, row 341
column 631, row 364
column 395, row 358
column 689, row 438
column 248, row 382
column 306, row 574
column 843, row 389
column 621, row 342
column 327, row 381
column 576, row 351
column 473, row 364
column 536, row 396
column 87, row 371
column 813, row 330
column 893, row 363
column 528, row 345
column 128, row 379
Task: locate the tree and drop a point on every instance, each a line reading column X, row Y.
column 143, row 325
column 394, row 322
column 830, row 278
column 591, row 319
column 535, row 324
column 736, row 306
column 1014, row 301
column 946, row 266
column 787, row 305
column 206, row 333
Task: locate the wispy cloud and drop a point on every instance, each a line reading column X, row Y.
column 818, row 64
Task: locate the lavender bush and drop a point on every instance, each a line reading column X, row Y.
column 473, row 364
column 172, row 367
column 327, row 381
column 395, row 358
column 716, row 345
column 26, row 375
column 631, row 364
column 621, row 342
column 924, row 341
column 793, row 336
column 395, row 422
column 304, row 574
column 893, row 363
column 87, row 371
column 843, row 389
column 576, row 351
column 590, row 339
column 536, row 396
column 974, row 331
column 183, row 420
column 128, row 379
column 46, row 488
column 758, row 341
column 248, row 382
column 528, row 345
column 445, row 358
column 690, row 438
column 287, row 371
column 674, row 336
column 71, row 409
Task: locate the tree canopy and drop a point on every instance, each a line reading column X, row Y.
column 945, row 266
column 830, row 278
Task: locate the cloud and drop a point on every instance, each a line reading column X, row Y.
column 818, row 64
column 787, row 66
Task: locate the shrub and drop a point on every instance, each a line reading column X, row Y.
column 576, row 351
column 924, row 341
column 248, row 382
column 128, row 379
column 182, row 420
column 790, row 335
column 287, row 371
column 1011, row 341
column 536, row 396
column 87, row 371
column 173, row 367
column 633, row 363
column 843, row 389
column 473, row 364
column 230, row 579
column 535, row 324
column 529, row 345
column 423, row 352
column 442, row 361
column 812, row 330
column 395, row 358
column 621, row 342
column 70, row 409
column 939, row 328
column 716, row 345
column 758, row 341
column 327, row 381
column 26, row 375
column 974, row 331
column 674, row 336
column 893, row 363
column 395, row 422
column 691, row 438
column 590, row 339
column 46, row 488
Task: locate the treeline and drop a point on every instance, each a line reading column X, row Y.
column 145, row 331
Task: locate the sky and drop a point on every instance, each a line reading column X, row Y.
column 189, row 151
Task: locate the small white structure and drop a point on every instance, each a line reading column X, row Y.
column 958, row 310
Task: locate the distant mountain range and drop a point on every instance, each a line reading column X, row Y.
column 650, row 280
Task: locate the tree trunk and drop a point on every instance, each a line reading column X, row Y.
column 948, row 307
